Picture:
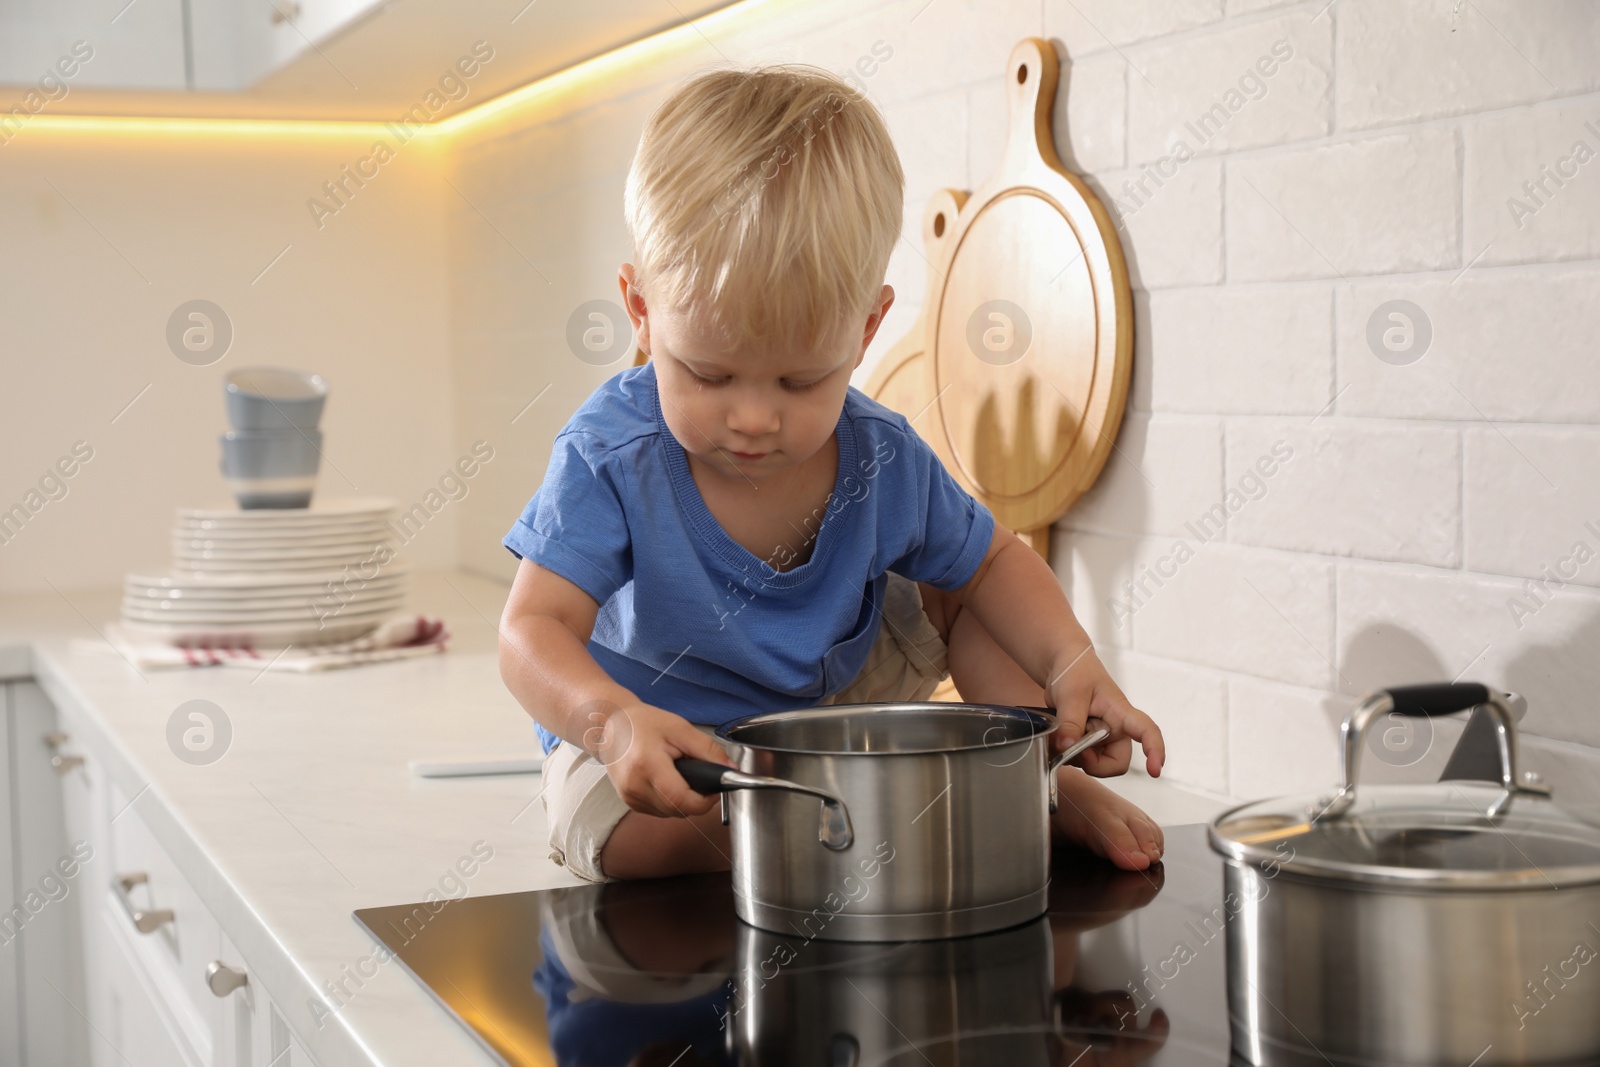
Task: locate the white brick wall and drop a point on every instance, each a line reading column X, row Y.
column 1533, row 183
column 1377, row 205
column 1282, row 739
column 1426, row 527
column 1399, row 62
column 1191, row 705
column 1092, row 25
column 1350, row 489
column 1242, row 610
column 1513, row 345
column 1092, row 568
column 1228, row 350
column 1171, row 227
column 1521, row 471
column 1260, row 82
column 937, row 126
column 1090, row 133
column 1163, row 472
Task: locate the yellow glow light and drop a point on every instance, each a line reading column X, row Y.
column 546, row 90
column 157, row 124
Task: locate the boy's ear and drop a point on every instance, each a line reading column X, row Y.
column 633, row 303
column 875, row 319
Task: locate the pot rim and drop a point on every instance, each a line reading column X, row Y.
column 1043, row 722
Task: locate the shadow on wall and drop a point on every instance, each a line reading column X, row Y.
column 1560, row 681
column 1130, row 252
column 1399, row 749
column 1113, row 563
column 1107, row 196
column 1555, row 679
column 1099, row 570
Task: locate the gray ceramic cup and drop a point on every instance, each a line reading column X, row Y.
column 274, row 398
column 271, row 468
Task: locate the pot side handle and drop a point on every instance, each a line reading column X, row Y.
column 707, row 778
column 1087, row 741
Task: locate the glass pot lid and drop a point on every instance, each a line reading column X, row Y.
column 1446, row 835
column 1435, row 836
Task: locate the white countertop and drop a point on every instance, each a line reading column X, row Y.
column 312, row 813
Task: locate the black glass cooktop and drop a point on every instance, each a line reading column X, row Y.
column 1125, row 968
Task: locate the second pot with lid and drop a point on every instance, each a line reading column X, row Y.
column 1455, row 921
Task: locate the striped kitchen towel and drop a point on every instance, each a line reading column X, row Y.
column 402, row 637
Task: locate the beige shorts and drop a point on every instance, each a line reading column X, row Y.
column 907, row 661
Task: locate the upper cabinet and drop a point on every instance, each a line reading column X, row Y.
column 60, row 46
column 207, row 45
column 370, row 60
column 234, row 44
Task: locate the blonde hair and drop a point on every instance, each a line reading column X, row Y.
column 767, row 200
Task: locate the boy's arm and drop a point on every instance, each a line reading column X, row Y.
column 545, row 662
column 1019, row 600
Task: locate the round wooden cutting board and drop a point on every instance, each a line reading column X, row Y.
column 898, row 380
column 1017, row 372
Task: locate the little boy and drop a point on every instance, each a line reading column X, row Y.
column 732, row 528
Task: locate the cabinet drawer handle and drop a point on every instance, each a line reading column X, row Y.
column 55, row 739
column 222, row 980
column 146, row 922
column 66, row 764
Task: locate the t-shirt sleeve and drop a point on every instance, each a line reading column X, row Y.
column 575, row 525
column 952, row 527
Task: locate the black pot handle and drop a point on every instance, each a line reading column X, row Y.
column 1444, row 698
column 707, row 778
column 703, row 776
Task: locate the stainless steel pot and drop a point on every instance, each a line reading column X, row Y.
column 1451, row 922
column 889, row 822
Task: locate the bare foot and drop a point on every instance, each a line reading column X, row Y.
column 1093, row 817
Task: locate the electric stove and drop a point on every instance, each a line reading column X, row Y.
column 1126, row 967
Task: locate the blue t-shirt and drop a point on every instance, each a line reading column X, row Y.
column 692, row 621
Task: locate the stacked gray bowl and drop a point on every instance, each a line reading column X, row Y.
column 270, row 457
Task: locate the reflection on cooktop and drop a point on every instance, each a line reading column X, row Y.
column 1125, row 968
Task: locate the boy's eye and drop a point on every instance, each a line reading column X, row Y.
column 793, row 387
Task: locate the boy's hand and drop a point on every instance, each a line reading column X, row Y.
column 1081, row 689
column 637, row 744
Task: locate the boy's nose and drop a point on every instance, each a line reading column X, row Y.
column 753, row 420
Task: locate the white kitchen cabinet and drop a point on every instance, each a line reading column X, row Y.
column 51, row 864
column 10, row 965
column 43, row 984
column 222, row 45
column 234, row 45
column 143, row 48
column 179, row 937
column 251, row 1032
column 83, row 804
column 103, row 976
column 242, row 1033
column 130, row 1024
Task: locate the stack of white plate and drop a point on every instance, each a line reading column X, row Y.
column 271, row 577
